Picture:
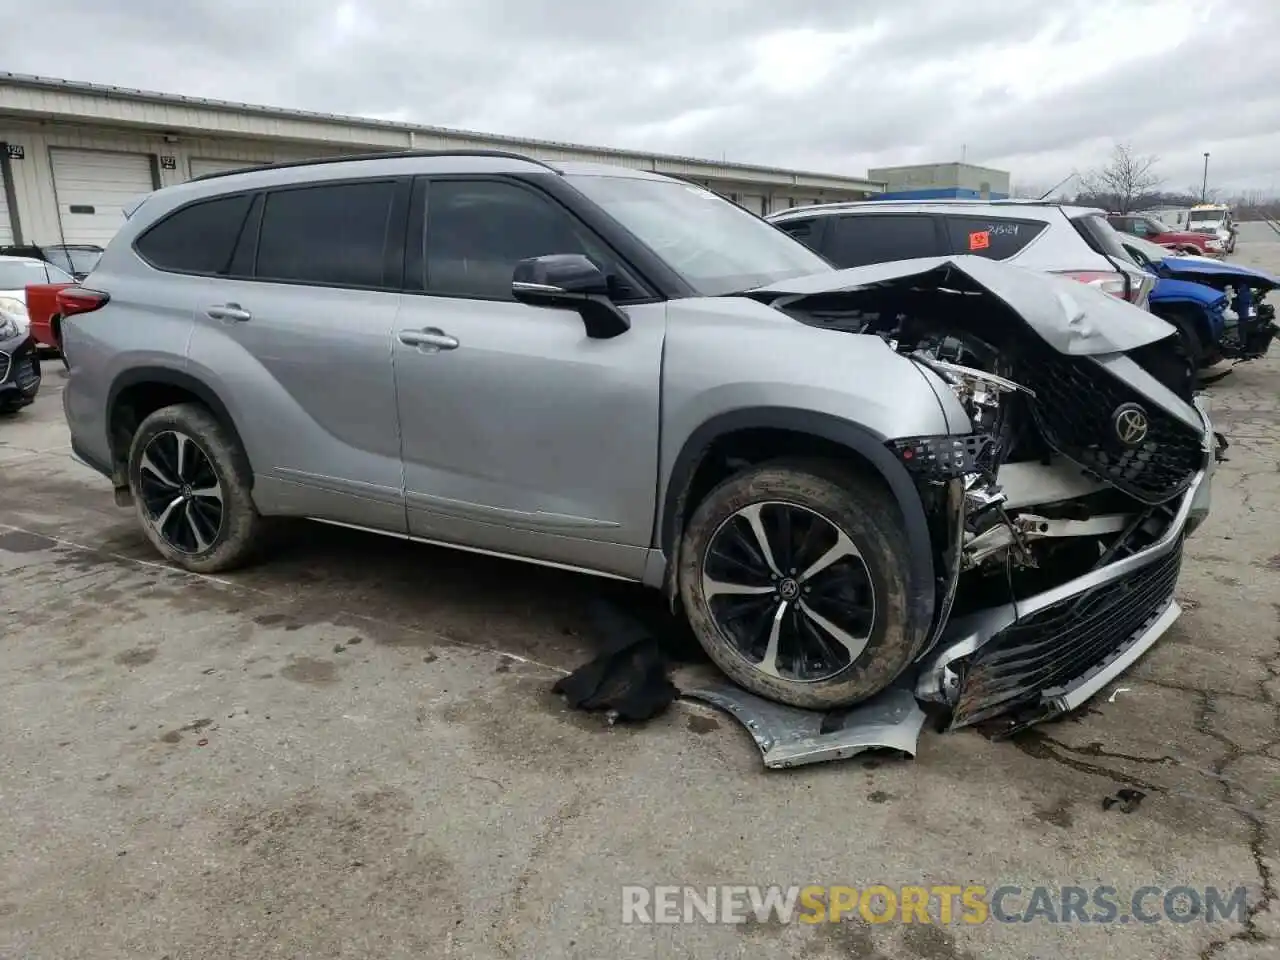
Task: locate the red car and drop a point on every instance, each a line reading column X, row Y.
column 1182, row 241
column 43, row 313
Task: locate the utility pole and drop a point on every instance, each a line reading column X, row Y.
column 1204, row 185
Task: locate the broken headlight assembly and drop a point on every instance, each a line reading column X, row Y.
column 979, row 392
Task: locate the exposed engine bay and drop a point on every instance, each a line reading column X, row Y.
column 1058, row 514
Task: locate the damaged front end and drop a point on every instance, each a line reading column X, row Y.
column 1249, row 322
column 1058, row 520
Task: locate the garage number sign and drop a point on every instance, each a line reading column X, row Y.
column 16, row 151
column 168, row 163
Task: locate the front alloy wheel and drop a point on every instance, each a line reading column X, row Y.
column 794, row 576
column 180, row 491
column 789, row 590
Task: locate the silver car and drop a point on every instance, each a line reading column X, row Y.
column 949, row 472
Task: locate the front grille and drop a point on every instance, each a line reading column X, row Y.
column 5, row 364
column 1062, row 643
column 27, row 372
column 1076, row 405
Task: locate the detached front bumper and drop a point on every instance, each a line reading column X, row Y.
column 1050, row 653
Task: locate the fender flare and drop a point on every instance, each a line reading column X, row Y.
column 867, row 444
column 173, row 378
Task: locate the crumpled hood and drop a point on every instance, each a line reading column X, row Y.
column 1072, row 317
column 1220, row 270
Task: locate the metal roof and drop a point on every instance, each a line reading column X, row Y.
column 110, row 92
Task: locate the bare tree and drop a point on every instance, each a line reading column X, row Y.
column 1126, row 178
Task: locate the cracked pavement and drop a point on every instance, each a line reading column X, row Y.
column 351, row 751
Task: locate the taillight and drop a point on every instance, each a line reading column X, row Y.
column 1107, row 281
column 74, row 300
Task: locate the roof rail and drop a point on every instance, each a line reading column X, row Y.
column 390, row 155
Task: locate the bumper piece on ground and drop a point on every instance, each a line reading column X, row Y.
column 791, row 737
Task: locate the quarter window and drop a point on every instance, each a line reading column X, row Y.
column 477, row 231
column 995, row 239
column 197, row 238
column 334, row 235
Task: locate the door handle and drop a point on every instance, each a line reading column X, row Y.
column 228, row 311
column 429, row 340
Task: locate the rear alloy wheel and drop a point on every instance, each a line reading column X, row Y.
column 794, row 582
column 181, row 493
column 191, row 488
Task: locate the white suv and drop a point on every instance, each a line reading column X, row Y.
column 1073, row 241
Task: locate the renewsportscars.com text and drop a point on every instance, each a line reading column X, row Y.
column 935, row 904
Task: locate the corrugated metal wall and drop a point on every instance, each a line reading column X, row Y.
column 37, row 208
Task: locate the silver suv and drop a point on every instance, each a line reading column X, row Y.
column 948, row 472
column 1076, row 242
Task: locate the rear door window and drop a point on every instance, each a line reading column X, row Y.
column 331, row 235
column 197, row 238
column 859, row 239
column 996, row 238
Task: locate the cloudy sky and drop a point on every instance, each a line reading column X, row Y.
column 1038, row 87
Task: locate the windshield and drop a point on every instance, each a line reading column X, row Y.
column 1151, row 251
column 713, row 244
column 1207, row 216
column 1159, row 226
column 16, row 274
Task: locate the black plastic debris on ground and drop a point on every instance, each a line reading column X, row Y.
column 1125, row 800
column 628, row 677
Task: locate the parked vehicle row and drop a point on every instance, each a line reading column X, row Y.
column 1217, row 308
column 944, row 471
column 1220, row 308
column 1198, row 243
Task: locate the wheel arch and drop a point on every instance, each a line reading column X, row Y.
column 139, row 391
column 825, row 432
column 1189, row 310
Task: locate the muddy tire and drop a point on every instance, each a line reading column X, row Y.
column 191, row 482
column 820, row 637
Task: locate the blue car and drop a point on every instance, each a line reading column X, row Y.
column 1220, row 308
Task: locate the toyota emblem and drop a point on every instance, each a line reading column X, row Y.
column 1131, row 424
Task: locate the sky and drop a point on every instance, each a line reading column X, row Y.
column 1042, row 88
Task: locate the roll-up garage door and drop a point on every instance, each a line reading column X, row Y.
column 6, row 221
column 752, row 201
column 200, row 166
column 93, row 187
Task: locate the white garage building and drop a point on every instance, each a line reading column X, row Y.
column 72, row 154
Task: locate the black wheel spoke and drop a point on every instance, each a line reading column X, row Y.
column 181, row 494
column 805, row 626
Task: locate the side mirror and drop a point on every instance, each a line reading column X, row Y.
column 570, row 281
